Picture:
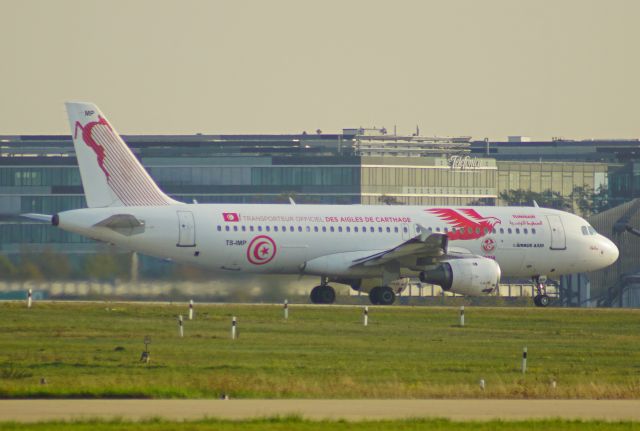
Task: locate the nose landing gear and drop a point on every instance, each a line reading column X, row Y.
column 541, row 299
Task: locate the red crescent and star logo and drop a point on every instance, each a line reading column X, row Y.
column 261, row 250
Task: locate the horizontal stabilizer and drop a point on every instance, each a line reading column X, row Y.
column 120, row 221
column 39, row 217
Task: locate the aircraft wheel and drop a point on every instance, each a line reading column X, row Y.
column 536, row 300
column 374, row 295
column 544, row 300
column 327, row 295
column 386, row 296
column 315, row 295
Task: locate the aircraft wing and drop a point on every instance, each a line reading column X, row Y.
column 422, row 245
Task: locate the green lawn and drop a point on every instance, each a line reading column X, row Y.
column 291, row 424
column 93, row 350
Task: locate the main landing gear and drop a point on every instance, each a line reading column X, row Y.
column 541, row 299
column 323, row 294
column 382, row 295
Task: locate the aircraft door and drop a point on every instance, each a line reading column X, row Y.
column 558, row 239
column 186, row 229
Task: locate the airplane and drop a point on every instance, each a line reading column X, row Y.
column 463, row 249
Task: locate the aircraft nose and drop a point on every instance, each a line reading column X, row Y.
column 610, row 251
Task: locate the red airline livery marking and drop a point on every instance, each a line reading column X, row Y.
column 231, row 217
column 468, row 223
column 261, row 250
column 488, row 245
column 87, row 138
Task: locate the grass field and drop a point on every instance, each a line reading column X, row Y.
column 290, row 424
column 93, row 350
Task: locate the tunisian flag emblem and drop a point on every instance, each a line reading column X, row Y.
column 231, row 216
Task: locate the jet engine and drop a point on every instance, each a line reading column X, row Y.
column 468, row 276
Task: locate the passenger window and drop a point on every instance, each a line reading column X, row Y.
column 332, row 229
column 268, row 228
column 299, row 228
column 275, row 228
column 219, row 228
column 469, row 230
column 308, row 228
column 405, row 229
column 226, row 228
column 355, row 228
column 315, row 228
column 486, row 231
column 388, row 229
column 339, row 228
column 509, row 230
column 533, row 230
column 324, row 228
column 251, row 228
column 429, row 229
column 525, row 230
column 517, row 230
column 244, row 228
column 380, row 229
column 437, row 229
column 235, row 228
column 501, row 230
column 477, row 231
column 348, row 229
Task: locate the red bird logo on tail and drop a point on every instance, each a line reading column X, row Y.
column 468, row 224
column 91, row 142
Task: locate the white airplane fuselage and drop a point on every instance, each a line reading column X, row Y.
column 288, row 239
column 463, row 249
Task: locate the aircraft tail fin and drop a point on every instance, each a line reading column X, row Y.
column 111, row 175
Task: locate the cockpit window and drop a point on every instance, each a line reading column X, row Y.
column 585, row 231
column 592, row 231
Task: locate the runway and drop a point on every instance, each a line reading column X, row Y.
column 353, row 410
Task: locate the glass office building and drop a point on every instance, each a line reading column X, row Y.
column 39, row 174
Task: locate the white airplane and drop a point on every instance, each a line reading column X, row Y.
column 462, row 249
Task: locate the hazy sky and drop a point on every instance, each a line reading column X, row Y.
column 481, row 68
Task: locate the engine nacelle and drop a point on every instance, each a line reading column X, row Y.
column 469, row 276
